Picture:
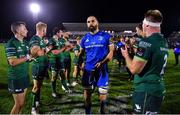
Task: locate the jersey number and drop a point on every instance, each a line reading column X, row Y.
column 164, row 65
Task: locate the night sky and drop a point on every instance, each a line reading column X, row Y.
column 54, row 12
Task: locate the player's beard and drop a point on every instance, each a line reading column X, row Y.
column 92, row 28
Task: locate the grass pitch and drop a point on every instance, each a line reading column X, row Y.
column 119, row 99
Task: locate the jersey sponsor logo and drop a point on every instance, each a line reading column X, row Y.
column 144, row 44
column 96, row 45
column 93, row 43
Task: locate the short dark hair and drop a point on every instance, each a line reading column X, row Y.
column 139, row 26
column 93, row 17
column 154, row 16
column 16, row 25
column 55, row 30
column 61, row 27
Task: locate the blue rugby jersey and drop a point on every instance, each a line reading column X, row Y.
column 96, row 48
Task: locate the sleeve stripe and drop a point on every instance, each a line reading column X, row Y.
column 35, row 41
column 10, row 48
column 12, row 57
column 34, row 45
column 140, row 59
column 11, row 53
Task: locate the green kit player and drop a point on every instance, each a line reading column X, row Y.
column 40, row 64
column 148, row 66
column 17, row 52
column 78, row 63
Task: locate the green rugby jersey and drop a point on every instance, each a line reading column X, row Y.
column 59, row 44
column 154, row 50
column 77, row 48
column 52, row 42
column 65, row 54
column 37, row 41
column 17, row 49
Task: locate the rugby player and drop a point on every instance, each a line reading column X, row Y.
column 148, row 65
column 17, row 52
column 40, row 64
column 98, row 52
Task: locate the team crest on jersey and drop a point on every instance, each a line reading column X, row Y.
column 87, row 40
column 100, row 38
column 19, row 49
column 22, row 45
column 93, row 43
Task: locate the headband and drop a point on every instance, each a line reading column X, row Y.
column 153, row 24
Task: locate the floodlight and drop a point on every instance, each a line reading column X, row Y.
column 35, row 8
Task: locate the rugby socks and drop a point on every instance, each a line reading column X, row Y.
column 38, row 96
column 33, row 99
column 88, row 109
column 103, row 106
column 74, row 78
column 63, row 82
column 53, row 85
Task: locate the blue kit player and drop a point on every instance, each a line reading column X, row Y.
column 98, row 50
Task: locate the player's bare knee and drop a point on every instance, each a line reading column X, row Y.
column 102, row 93
column 53, row 73
column 87, row 95
column 102, row 97
column 35, row 89
column 53, row 78
column 62, row 73
column 87, row 100
column 21, row 103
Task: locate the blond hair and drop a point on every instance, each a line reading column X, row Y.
column 40, row 26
